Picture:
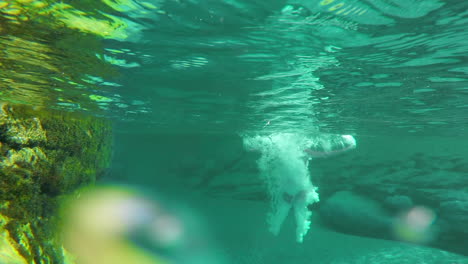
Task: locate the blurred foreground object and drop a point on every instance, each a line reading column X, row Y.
column 99, row 222
column 415, row 225
column 120, row 225
column 43, row 155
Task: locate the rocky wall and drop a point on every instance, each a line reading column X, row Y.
column 44, row 155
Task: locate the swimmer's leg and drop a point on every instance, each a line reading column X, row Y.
column 302, row 213
column 279, row 213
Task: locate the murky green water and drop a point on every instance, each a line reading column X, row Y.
column 187, row 83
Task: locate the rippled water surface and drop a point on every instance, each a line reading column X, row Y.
column 360, row 67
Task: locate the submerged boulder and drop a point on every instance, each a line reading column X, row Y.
column 423, row 175
column 44, row 154
column 355, row 214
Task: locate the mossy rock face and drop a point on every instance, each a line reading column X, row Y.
column 43, row 155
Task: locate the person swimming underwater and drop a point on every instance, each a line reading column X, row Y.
column 284, row 164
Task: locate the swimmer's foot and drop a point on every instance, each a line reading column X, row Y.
column 301, row 212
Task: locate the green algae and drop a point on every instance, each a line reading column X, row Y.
column 44, row 155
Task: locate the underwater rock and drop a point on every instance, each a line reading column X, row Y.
column 355, row 214
column 8, row 253
column 44, row 154
column 456, row 212
column 407, row 254
column 398, row 202
column 427, row 172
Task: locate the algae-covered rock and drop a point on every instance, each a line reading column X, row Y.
column 43, row 155
column 8, row 253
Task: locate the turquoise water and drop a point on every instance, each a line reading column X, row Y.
column 391, row 73
column 364, row 68
column 237, row 112
column 349, row 67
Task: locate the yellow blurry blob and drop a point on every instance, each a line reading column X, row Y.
column 96, row 224
column 3, row 4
